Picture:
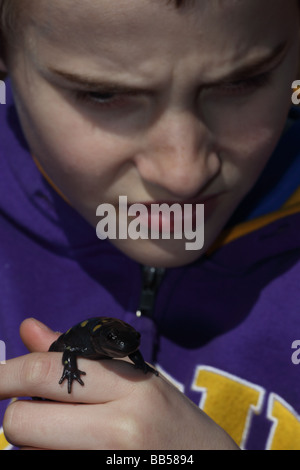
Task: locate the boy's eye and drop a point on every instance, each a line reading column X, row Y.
column 109, row 99
column 246, row 85
column 102, row 99
column 129, row 100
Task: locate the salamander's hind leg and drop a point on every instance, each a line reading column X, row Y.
column 139, row 363
column 71, row 371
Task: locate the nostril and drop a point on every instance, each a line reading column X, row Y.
column 112, row 335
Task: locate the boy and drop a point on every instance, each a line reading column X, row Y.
column 161, row 103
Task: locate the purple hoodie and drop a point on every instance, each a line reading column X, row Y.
column 221, row 329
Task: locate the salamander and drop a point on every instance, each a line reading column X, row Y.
column 98, row 338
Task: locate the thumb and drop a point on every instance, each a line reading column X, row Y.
column 36, row 335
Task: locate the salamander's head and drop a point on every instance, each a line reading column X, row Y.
column 115, row 338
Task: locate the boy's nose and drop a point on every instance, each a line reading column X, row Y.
column 179, row 156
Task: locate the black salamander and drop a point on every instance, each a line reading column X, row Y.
column 98, row 338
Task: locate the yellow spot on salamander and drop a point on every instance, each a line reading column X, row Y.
column 84, row 323
column 96, row 328
column 66, row 362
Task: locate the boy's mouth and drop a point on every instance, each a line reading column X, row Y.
column 169, row 219
column 167, row 216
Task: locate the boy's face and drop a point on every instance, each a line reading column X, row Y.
column 138, row 99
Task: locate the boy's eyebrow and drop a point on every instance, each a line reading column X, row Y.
column 246, row 70
column 254, row 66
column 92, row 84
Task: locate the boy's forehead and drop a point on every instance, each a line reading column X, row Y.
column 57, row 16
column 148, row 38
column 139, row 37
column 77, row 19
column 103, row 25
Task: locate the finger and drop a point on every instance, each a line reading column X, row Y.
column 60, row 426
column 24, row 375
column 36, row 336
column 38, row 374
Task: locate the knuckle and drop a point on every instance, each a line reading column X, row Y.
column 139, row 426
column 131, row 435
column 37, row 368
column 136, row 425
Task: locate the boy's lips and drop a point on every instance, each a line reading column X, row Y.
column 169, row 220
column 202, row 200
column 208, row 201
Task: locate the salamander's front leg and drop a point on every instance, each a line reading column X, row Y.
column 139, row 363
column 71, row 371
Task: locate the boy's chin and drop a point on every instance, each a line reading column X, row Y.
column 159, row 253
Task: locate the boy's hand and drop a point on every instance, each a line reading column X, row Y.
column 118, row 408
